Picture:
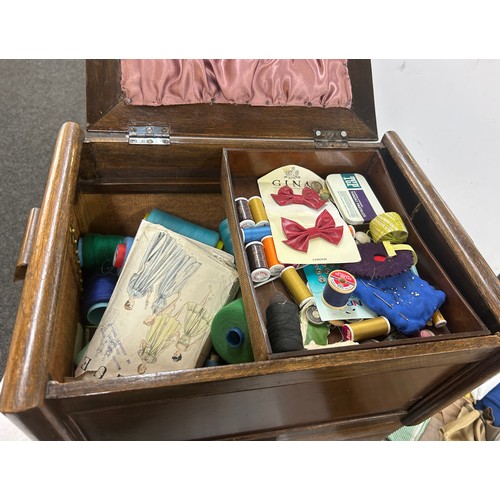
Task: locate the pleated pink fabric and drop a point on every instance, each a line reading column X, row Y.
column 257, row 82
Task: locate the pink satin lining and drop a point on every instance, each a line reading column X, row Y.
column 257, row 82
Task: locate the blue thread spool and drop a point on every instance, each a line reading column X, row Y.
column 98, row 288
column 184, row 227
column 338, row 289
column 255, row 233
column 226, row 236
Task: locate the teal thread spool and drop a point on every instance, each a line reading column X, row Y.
column 226, row 236
column 95, row 250
column 229, row 333
column 184, row 227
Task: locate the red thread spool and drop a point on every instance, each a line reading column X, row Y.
column 119, row 258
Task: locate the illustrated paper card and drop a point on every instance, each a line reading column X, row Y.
column 160, row 313
column 355, row 308
column 305, row 228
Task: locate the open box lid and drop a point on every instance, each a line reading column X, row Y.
column 109, row 110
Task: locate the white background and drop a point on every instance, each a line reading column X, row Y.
column 445, row 111
column 447, row 114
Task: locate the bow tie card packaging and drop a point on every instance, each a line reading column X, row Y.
column 305, row 228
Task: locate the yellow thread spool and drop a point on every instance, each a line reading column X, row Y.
column 259, row 214
column 366, row 329
column 296, row 286
column 438, row 319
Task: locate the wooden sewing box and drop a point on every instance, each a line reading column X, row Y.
column 192, row 161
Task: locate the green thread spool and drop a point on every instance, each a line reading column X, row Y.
column 229, row 333
column 95, row 250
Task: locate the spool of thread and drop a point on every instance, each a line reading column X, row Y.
column 259, row 214
column 338, row 289
column 274, row 265
column 213, row 360
column 259, row 271
column 244, row 213
column 366, row 329
column 184, row 227
column 96, row 250
column 121, row 253
column 312, row 315
column 283, row 327
column 255, row 233
column 388, row 226
column 98, row 288
column 229, row 333
column 225, row 235
column 296, row 286
column 438, row 319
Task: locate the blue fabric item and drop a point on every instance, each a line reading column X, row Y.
column 491, row 400
column 406, row 300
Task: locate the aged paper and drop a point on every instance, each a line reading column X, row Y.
column 160, row 313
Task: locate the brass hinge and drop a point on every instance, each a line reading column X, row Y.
column 330, row 139
column 149, row 135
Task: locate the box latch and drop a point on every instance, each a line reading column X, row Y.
column 153, row 135
column 330, row 139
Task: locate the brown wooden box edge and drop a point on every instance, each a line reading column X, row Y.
column 232, row 401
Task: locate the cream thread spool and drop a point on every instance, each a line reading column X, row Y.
column 388, row 226
column 338, row 289
column 366, row 329
column 296, row 286
column 259, row 214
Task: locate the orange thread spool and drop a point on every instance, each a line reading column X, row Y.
column 274, row 265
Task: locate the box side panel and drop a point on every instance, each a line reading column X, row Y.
column 33, row 342
column 268, row 403
column 446, row 237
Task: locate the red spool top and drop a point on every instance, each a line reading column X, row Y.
column 119, row 257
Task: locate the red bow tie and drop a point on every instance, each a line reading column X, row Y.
column 298, row 236
column 308, row 197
